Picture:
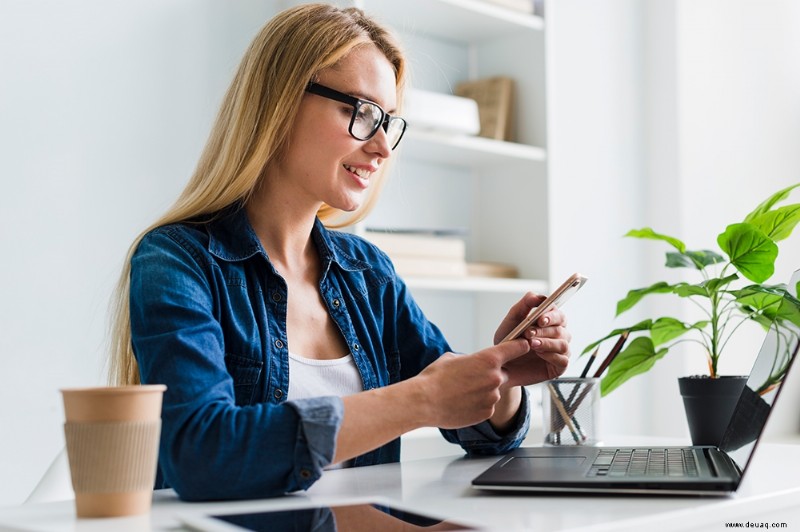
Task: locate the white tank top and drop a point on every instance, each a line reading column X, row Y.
column 309, row 377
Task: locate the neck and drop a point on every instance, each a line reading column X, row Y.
column 284, row 228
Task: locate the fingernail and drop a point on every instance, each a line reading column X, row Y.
column 545, row 321
column 536, row 342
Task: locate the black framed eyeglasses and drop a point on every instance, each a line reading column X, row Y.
column 367, row 116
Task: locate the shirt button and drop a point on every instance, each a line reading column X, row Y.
column 278, row 344
column 277, row 394
column 336, row 303
column 356, row 347
column 276, row 297
column 305, row 473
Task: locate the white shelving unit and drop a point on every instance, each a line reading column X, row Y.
column 473, row 152
column 495, row 191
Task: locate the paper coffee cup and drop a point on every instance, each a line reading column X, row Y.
column 112, row 436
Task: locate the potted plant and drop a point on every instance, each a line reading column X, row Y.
column 731, row 290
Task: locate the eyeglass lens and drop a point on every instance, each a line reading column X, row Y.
column 368, row 117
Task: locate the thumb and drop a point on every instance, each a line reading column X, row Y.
column 507, row 351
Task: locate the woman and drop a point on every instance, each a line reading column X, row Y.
column 288, row 348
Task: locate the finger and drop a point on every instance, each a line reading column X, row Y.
column 522, row 308
column 559, row 361
column 548, row 332
column 550, row 345
column 553, row 316
column 517, row 313
column 506, row 351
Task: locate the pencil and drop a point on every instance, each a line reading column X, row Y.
column 572, row 407
column 563, row 412
column 566, row 402
column 583, row 376
column 589, row 363
column 612, row 355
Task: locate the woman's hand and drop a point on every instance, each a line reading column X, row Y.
column 462, row 390
column 548, row 341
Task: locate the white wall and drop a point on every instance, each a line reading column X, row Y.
column 738, row 93
column 104, row 107
column 677, row 114
column 596, row 156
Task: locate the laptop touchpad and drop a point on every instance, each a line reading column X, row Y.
column 544, row 462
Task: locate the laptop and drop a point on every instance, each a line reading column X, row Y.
column 693, row 470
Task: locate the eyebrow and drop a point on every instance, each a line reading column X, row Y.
column 362, row 96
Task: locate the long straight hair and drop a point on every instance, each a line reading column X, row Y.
column 252, row 130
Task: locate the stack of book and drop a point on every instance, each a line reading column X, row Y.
column 431, row 254
column 422, row 253
column 495, row 99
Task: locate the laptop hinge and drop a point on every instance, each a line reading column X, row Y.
column 722, row 464
column 712, row 461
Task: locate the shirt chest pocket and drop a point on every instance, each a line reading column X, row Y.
column 245, row 373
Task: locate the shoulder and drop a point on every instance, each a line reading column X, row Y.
column 186, row 240
column 357, row 249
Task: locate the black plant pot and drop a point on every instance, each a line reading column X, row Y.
column 709, row 404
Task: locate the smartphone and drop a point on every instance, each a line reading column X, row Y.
column 557, row 299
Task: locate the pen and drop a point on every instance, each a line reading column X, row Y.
column 612, row 355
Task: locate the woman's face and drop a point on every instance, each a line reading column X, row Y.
column 323, row 162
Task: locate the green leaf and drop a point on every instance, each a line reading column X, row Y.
column 750, row 250
column 715, row 284
column 634, row 360
column 648, row 233
column 693, row 259
column 789, row 310
column 641, row 326
column 780, row 223
column 705, row 288
column 758, row 297
column 767, row 204
column 773, row 303
column 634, row 296
column 666, row 329
column 689, row 290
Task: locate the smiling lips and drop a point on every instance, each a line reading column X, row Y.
column 360, row 172
column 363, row 174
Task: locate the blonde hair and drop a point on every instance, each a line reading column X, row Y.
column 252, row 130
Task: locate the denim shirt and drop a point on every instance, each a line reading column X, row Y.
column 208, row 319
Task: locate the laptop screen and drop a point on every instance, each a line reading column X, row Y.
column 763, row 385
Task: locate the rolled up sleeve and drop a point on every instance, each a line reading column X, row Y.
column 320, row 419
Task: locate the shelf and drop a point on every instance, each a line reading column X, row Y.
column 464, row 150
column 466, row 20
column 477, row 284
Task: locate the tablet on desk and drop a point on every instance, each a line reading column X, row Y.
column 338, row 517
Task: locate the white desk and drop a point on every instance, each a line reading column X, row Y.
column 441, row 486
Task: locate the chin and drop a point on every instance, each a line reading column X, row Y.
column 349, row 204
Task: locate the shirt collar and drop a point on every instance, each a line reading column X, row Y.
column 232, row 238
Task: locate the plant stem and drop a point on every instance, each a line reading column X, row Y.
column 714, row 354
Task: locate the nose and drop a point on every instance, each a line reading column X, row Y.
column 379, row 144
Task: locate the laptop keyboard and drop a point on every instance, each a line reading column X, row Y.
column 644, row 462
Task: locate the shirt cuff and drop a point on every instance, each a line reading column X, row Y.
column 320, row 419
